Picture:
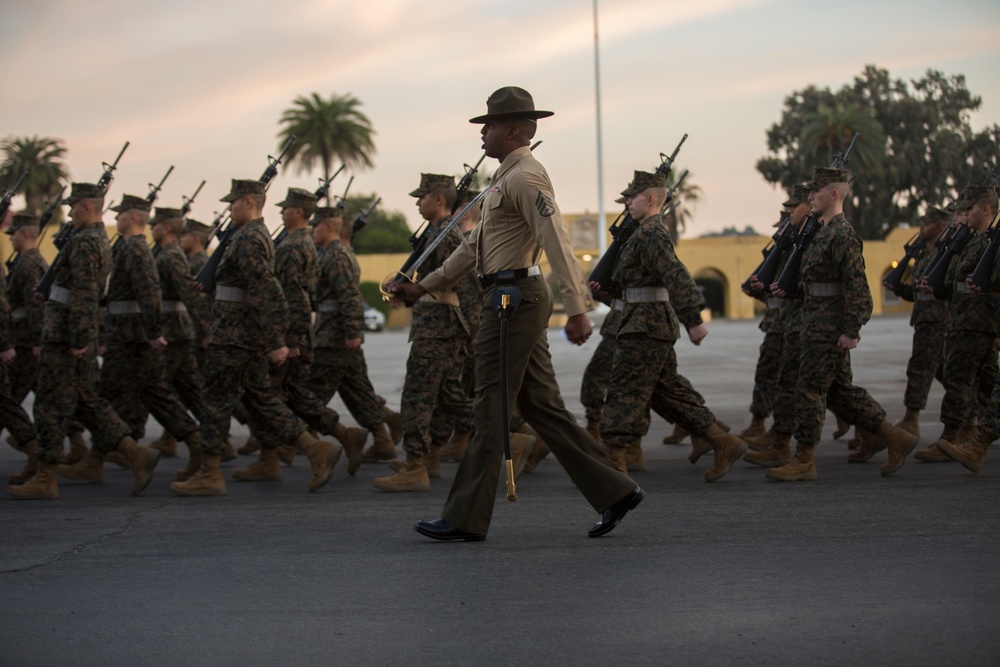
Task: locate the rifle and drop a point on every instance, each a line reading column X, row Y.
column 362, row 219
column 188, row 201
column 954, row 242
column 788, row 281
column 622, row 231
column 466, row 182
column 67, row 231
column 47, row 214
column 981, row 275
column 154, row 190
column 773, row 252
column 343, row 198
column 280, row 233
column 8, row 195
column 224, row 232
column 913, row 247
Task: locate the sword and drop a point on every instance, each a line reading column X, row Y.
column 506, row 299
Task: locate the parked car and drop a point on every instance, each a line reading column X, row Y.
column 374, row 319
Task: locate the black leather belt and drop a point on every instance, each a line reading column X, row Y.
column 490, row 279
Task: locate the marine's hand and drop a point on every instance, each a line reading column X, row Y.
column 8, row 357
column 158, row 344
column 353, row 343
column 777, row 291
column 698, row 333
column 404, row 292
column 278, row 356
column 578, row 329
column 847, row 343
column 78, row 352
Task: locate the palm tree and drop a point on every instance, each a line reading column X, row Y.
column 327, row 130
column 829, row 130
column 676, row 220
column 42, row 157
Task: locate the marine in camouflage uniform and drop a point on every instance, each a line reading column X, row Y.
column 657, row 291
column 765, row 379
column 249, row 318
column 928, row 322
column 184, row 320
column 437, row 333
column 132, row 376
column 295, row 269
column 12, row 415
column 27, row 311
column 67, row 369
column 339, row 362
column 972, row 452
column 836, row 304
column 193, row 241
column 969, row 355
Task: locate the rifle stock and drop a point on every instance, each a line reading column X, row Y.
column 894, row 279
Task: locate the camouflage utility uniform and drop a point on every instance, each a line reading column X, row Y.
column 132, row 377
column 928, row 322
column 657, row 290
column 27, row 315
column 67, row 385
column 12, row 415
column 249, row 318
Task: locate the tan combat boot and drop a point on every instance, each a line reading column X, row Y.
column 432, row 462
column 871, row 444
column 264, row 469
column 634, row 458
column 677, row 436
column 193, row 442
column 322, row 455
column 617, row 456
column 394, row 421
column 768, row 440
column 30, row 449
column 801, row 469
column 910, row 422
column 228, row 452
column 412, row 477
column 538, row 451
column 207, row 481
column 934, row 453
column 972, row 454
column 382, row 447
column 699, row 447
column 855, row 442
column 969, row 431
column 78, row 449
column 353, row 441
column 756, row 427
column 166, row 445
column 772, row 457
column 251, row 446
column 286, row 454
column 841, row 429
column 454, row 449
column 728, row 450
column 900, row 444
column 42, row 486
column 142, row 460
column 90, row 469
column 521, row 446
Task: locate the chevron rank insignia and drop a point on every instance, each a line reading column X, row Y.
column 544, row 205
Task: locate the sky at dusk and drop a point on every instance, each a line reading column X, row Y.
column 201, row 85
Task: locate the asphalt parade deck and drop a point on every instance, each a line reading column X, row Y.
column 850, row 569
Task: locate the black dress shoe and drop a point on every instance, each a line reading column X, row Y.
column 439, row 529
column 614, row 514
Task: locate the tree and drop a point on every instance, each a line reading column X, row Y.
column 386, row 231
column 676, row 221
column 917, row 147
column 327, row 130
column 43, row 158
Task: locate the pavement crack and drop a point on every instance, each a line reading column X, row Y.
column 131, row 522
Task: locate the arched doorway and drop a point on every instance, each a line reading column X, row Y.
column 714, row 287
